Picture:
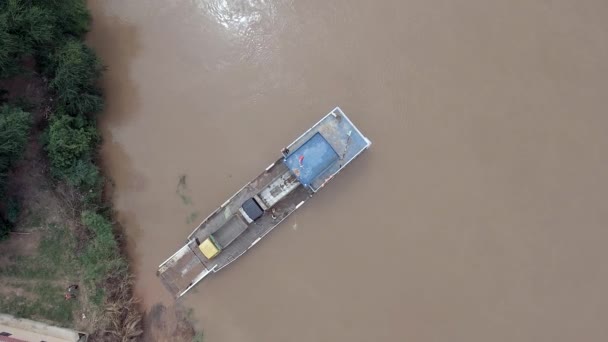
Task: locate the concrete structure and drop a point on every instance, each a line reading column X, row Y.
column 14, row 329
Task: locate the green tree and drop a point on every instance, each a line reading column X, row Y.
column 71, row 20
column 3, row 93
column 71, row 143
column 72, row 17
column 10, row 50
column 5, row 229
column 14, row 129
column 85, row 175
column 75, row 70
column 70, row 139
column 23, row 28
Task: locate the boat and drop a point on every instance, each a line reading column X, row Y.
column 304, row 167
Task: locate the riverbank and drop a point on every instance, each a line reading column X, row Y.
column 60, row 238
column 57, row 229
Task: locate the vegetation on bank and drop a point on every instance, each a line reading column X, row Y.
column 14, row 126
column 50, row 185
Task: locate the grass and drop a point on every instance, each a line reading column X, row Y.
column 49, row 304
column 33, row 219
column 101, row 256
column 54, row 258
column 98, row 296
column 36, row 283
column 42, row 279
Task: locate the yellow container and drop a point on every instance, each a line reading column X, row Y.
column 208, row 248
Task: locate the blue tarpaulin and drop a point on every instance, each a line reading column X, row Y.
column 311, row 159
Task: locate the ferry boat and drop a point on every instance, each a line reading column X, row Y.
column 305, row 166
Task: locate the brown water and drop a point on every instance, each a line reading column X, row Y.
column 479, row 214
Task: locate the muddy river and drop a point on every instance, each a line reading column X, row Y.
column 479, row 214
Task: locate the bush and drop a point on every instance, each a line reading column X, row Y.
column 23, row 28
column 70, row 139
column 75, row 70
column 99, row 225
column 83, row 174
column 72, row 16
column 9, row 53
column 5, row 229
column 3, row 93
column 13, row 209
column 14, row 128
column 71, row 143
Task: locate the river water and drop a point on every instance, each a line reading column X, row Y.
column 479, row 214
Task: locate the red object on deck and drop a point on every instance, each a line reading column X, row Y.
column 301, row 160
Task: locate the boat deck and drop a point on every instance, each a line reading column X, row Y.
column 306, row 166
column 224, row 213
column 181, row 270
column 331, row 144
column 219, row 222
column 230, row 231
